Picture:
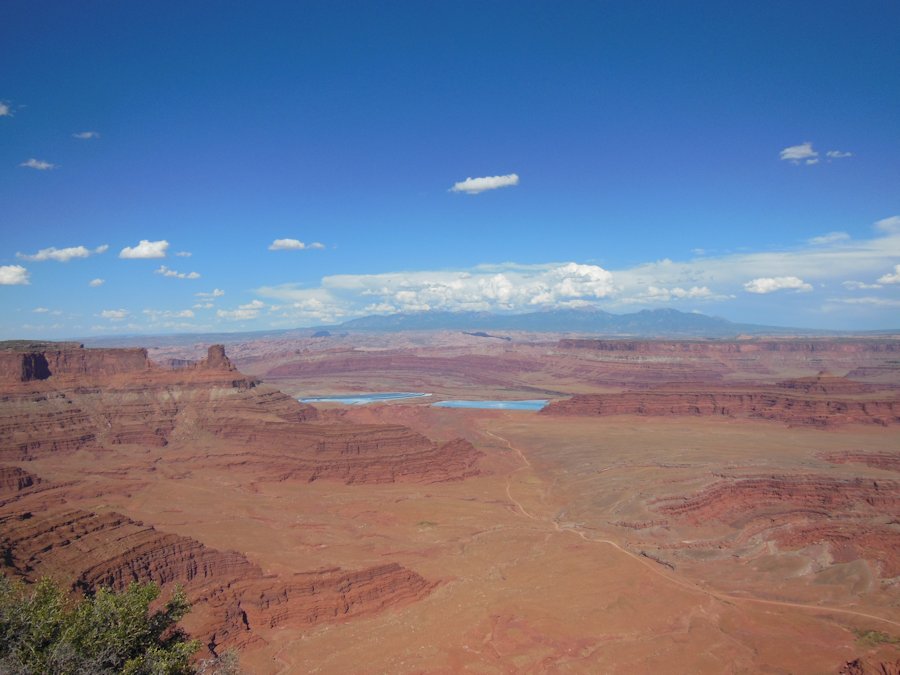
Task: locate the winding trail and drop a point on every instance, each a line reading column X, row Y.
column 655, row 568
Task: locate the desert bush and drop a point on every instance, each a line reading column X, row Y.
column 44, row 630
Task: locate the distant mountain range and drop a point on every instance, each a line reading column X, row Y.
column 647, row 322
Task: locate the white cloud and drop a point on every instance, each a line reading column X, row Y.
column 797, row 153
column 166, row 272
column 891, row 278
column 487, row 287
column 859, row 285
column 772, row 284
column 830, row 238
column 889, row 225
column 38, row 164
column 837, row 154
column 13, row 275
column 4, row 110
column 40, row 310
column 85, row 135
column 204, row 305
column 243, row 312
column 826, row 261
column 876, row 302
column 156, row 314
column 114, row 314
column 145, row 249
column 237, row 314
column 184, row 254
column 94, row 283
column 293, row 245
column 473, row 186
column 214, row 293
column 657, row 295
column 62, row 254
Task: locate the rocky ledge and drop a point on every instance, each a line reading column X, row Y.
column 70, row 399
column 820, row 402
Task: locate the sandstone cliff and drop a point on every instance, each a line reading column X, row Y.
column 820, row 402
column 854, row 518
column 87, row 400
column 233, row 598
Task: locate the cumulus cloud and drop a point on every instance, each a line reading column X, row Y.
column 859, row 285
column 237, row 314
column 487, row 287
column 38, row 164
column 889, row 225
column 798, row 153
column 13, row 275
column 62, row 254
column 4, row 110
column 243, row 312
column 214, row 293
column 166, row 272
column 473, row 186
column 293, row 245
column 156, row 314
column 145, row 249
column 657, row 295
column 184, row 254
column 40, row 310
column 837, row 154
column 830, row 238
column 85, row 135
column 771, row 284
column 891, row 278
column 114, row 314
column 827, row 262
column 94, row 283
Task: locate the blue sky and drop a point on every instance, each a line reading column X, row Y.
column 737, row 159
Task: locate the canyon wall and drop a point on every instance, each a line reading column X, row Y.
column 119, row 398
column 820, row 402
column 233, row 598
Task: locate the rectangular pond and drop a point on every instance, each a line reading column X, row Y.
column 534, row 404
column 363, row 399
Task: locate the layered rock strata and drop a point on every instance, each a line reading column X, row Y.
column 127, row 401
column 854, row 518
column 234, row 598
column 889, row 461
column 820, row 402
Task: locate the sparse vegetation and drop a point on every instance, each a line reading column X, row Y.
column 872, row 638
column 44, row 630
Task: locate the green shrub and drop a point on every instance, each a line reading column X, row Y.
column 42, row 630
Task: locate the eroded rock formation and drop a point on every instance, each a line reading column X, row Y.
column 821, row 401
column 119, row 405
column 128, row 401
column 13, row 479
column 88, row 550
column 855, row 518
column 890, row 461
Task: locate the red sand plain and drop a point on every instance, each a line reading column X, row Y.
column 632, row 543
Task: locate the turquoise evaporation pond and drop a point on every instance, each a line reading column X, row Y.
column 535, row 404
column 363, row 399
